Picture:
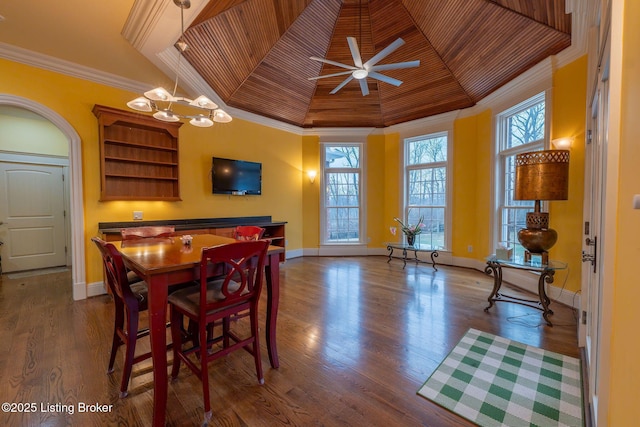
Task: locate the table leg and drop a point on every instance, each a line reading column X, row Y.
column 496, row 270
column 404, row 257
column 434, row 255
column 158, row 286
column 390, row 249
column 545, row 277
column 272, row 273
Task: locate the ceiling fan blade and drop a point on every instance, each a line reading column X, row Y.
column 337, row 64
column 341, row 73
column 385, row 79
column 364, row 87
column 383, row 53
column 397, row 65
column 341, row 85
column 355, row 52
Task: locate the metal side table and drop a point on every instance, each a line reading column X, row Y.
column 494, row 267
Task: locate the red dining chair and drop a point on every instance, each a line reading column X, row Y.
column 146, row 232
column 208, row 302
column 248, row 232
column 135, row 233
column 130, row 298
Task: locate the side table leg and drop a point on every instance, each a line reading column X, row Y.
column 545, row 277
column 415, row 256
column 404, row 257
column 434, row 255
column 495, row 269
column 390, row 249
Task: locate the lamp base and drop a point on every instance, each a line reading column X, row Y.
column 537, row 241
column 543, row 254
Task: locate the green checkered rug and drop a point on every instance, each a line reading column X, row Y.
column 493, row 381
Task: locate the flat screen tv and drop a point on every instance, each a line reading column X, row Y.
column 237, row 177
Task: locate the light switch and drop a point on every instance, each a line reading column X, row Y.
column 137, row 215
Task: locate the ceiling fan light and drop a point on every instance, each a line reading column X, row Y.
column 158, row 94
column 201, row 122
column 166, row 116
column 221, row 116
column 360, row 74
column 140, row 104
column 204, row 102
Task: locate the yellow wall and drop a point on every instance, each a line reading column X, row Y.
column 376, row 233
column 279, row 151
column 568, row 120
column 625, row 345
column 22, row 133
column 311, row 193
column 393, row 190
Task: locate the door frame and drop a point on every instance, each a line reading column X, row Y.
column 78, row 271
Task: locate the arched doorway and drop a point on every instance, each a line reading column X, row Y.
column 78, row 273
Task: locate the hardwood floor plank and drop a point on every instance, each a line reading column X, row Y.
column 357, row 337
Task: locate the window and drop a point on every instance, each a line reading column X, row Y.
column 342, row 171
column 522, row 128
column 426, row 187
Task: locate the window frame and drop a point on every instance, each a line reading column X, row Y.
column 324, row 241
column 446, row 164
column 502, row 154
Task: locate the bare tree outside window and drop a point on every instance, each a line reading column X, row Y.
column 426, row 180
column 342, row 191
column 522, row 129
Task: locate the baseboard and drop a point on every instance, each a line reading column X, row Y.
column 95, row 289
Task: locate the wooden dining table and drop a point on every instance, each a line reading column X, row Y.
column 165, row 262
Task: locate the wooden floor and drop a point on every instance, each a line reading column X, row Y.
column 357, row 337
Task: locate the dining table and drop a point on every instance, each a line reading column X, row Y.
column 168, row 261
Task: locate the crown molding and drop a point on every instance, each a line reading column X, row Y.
column 56, row 65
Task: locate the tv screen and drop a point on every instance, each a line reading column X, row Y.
column 236, row 176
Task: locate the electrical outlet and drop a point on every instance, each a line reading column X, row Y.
column 137, row 215
column 469, row 248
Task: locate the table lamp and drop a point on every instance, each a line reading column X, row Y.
column 540, row 175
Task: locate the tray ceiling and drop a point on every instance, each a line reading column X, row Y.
column 255, row 54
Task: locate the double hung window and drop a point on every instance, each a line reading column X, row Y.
column 521, row 129
column 342, row 201
column 426, row 187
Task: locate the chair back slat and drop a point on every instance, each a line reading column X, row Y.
column 242, row 279
column 135, row 233
column 115, row 271
column 248, row 232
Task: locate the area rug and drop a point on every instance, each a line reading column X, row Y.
column 493, row 381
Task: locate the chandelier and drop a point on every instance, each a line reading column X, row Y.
column 161, row 101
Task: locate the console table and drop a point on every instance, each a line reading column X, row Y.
column 415, row 249
column 494, row 267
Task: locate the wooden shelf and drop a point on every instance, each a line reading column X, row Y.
column 138, row 156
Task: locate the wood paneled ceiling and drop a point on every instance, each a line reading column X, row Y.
column 255, row 54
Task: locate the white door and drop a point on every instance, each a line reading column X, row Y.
column 592, row 280
column 31, row 216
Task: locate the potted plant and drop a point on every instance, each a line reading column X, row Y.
column 411, row 230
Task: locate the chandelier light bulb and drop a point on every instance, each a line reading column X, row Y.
column 166, row 116
column 201, row 122
column 140, row 104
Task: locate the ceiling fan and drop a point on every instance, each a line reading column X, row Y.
column 360, row 71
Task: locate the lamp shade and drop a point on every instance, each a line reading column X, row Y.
column 542, row 175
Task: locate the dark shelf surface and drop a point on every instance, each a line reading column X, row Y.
column 191, row 224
